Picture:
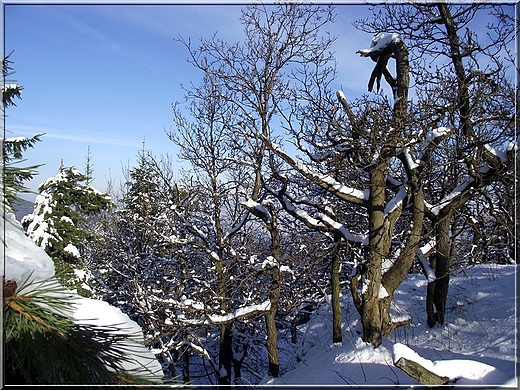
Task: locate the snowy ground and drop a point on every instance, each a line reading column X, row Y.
column 476, row 346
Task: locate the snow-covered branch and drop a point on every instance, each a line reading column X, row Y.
column 321, row 222
column 343, row 192
column 258, row 210
column 452, row 197
column 220, row 319
column 397, row 201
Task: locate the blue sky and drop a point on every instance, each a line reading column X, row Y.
column 105, row 76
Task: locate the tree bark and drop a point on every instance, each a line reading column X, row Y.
column 378, row 247
column 226, row 338
column 272, row 333
column 186, row 368
column 375, row 315
column 225, row 354
column 335, row 287
column 225, row 348
column 438, row 289
column 430, row 307
column 274, row 297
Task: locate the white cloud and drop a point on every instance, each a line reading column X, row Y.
column 86, row 137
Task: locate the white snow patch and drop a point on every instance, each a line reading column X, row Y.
column 396, row 201
column 7, row 87
column 93, row 312
column 218, row 319
column 186, row 302
column 240, row 312
column 341, row 96
column 437, row 132
column 421, row 255
column 503, row 151
column 72, row 250
column 499, row 153
column 269, row 262
column 202, row 351
column 329, row 181
column 478, row 339
column 402, row 351
column 379, row 42
column 364, row 287
column 410, row 162
column 23, row 259
column 67, row 219
column 15, row 139
column 382, row 292
column 511, row 146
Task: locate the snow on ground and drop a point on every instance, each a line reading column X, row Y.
column 475, row 347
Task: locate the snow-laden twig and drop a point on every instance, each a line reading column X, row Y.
column 220, row 319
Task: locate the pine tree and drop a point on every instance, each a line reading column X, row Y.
column 147, row 217
column 58, row 222
column 14, row 176
column 89, row 168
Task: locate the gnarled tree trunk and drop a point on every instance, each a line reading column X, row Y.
column 375, row 302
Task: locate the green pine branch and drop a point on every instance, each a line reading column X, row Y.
column 43, row 345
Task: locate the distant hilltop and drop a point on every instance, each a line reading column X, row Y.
column 22, row 208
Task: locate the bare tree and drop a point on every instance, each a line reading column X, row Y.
column 255, row 79
column 204, row 142
column 463, row 84
column 381, row 158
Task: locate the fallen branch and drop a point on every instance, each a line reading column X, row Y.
column 421, row 374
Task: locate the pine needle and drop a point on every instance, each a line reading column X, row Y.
column 43, row 345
